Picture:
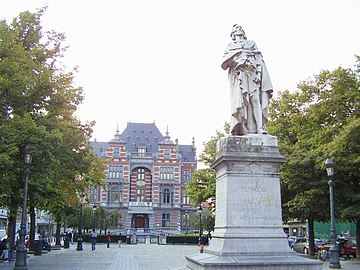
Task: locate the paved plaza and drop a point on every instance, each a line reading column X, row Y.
column 128, row 257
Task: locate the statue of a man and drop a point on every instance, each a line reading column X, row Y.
column 250, row 84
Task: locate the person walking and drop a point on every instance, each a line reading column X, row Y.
column 119, row 240
column 108, row 238
column 70, row 236
column 93, row 239
column 203, row 242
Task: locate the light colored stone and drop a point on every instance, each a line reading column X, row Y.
column 250, row 84
column 248, row 224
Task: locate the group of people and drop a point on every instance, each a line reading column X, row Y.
column 108, row 239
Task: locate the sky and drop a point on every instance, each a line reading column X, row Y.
column 159, row 61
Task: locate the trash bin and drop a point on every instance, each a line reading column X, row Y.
column 66, row 242
column 128, row 239
column 37, row 247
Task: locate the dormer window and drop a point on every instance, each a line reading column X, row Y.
column 142, row 151
column 116, row 152
column 167, row 154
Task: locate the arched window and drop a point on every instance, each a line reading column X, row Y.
column 141, row 174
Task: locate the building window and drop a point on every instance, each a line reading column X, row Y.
column 115, row 171
column 140, row 195
column 167, row 173
column 93, row 197
column 141, row 151
column 116, row 152
column 185, row 199
column 165, row 222
column 141, row 174
column 167, row 196
column 114, row 195
column 167, row 154
column 186, row 175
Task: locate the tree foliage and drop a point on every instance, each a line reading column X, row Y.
column 202, row 186
column 207, row 220
column 38, row 101
column 319, row 120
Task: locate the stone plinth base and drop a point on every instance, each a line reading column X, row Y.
column 248, row 223
column 212, row 262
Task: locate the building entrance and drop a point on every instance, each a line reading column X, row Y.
column 140, row 221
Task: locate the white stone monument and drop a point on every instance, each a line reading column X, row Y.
column 248, row 223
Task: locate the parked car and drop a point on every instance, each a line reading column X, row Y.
column 290, row 241
column 3, row 235
column 301, row 245
column 347, row 248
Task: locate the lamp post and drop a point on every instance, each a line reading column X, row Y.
column 186, row 225
column 186, row 221
column 200, row 229
column 79, row 241
column 334, row 249
column 20, row 263
column 94, row 209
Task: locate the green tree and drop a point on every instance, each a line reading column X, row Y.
column 202, row 186
column 38, row 100
column 207, row 220
column 108, row 219
column 312, row 124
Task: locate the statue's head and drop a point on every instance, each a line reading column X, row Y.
column 237, row 31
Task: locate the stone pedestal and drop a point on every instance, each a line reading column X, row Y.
column 248, row 225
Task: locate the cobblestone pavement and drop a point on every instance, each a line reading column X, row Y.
column 128, row 257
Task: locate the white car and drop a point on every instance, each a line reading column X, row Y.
column 2, row 235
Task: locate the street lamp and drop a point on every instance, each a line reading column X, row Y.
column 94, row 209
column 200, row 229
column 20, row 263
column 334, row 249
column 79, row 241
column 186, row 225
column 186, row 221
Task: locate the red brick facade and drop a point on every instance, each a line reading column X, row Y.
column 146, row 178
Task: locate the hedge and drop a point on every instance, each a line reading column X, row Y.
column 101, row 238
column 180, row 239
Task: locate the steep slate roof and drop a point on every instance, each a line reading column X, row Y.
column 187, row 153
column 141, row 135
column 99, row 148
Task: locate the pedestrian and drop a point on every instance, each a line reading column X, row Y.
column 108, row 238
column 70, row 237
column 209, row 237
column 119, row 240
column 4, row 249
column 93, row 239
column 203, row 241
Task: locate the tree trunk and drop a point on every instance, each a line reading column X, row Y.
column 358, row 239
column 32, row 227
column 311, row 237
column 11, row 229
column 57, row 239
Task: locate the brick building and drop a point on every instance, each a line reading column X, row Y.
column 146, row 178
